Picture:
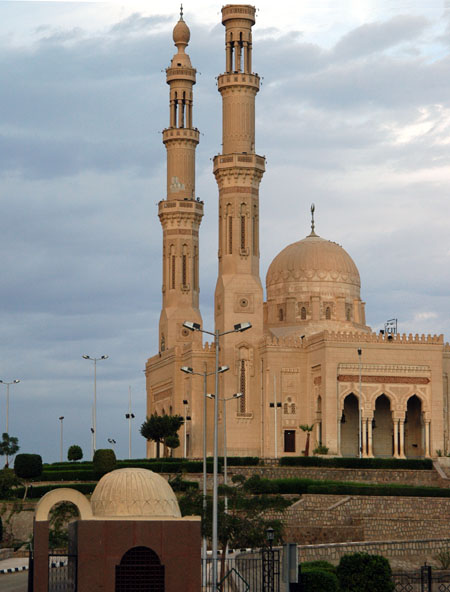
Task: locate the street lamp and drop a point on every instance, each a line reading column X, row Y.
column 129, row 416
column 112, row 442
column 238, row 328
column 15, row 381
column 186, row 419
column 360, row 405
column 61, row 419
column 205, row 374
column 94, row 408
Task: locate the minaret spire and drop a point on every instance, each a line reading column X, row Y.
column 180, row 213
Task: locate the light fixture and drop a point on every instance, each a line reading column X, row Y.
column 192, row 326
column 270, row 535
column 222, row 369
column 240, row 327
column 187, row 369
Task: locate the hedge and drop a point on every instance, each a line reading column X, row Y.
column 361, row 571
column 37, row 491
column 319, row 580
column 62, row 475
column 424, row 464
column 300, row 486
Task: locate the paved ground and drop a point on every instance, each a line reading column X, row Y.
column 12, row 563
column 17, row 582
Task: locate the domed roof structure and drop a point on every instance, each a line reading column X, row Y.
column 313, row 259
column 181, row 33
column 134, row 493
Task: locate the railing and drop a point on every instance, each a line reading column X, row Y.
column 62, row 572
column 243, row 573
column 426, row 579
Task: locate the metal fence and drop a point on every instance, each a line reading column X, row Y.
column 244, row 574
column 62, row 572
column 426, row 579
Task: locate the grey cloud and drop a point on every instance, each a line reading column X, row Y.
column 375, row 37
column 136, row 23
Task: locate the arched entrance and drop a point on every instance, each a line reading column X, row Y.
column 140, row 570
column 382, row 428
column 413, row 427
column 349, row 426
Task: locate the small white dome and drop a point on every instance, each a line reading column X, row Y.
column 134, row 493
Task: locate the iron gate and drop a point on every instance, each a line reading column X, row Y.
column 244, row 574
column 62, row 572
column 425, row 580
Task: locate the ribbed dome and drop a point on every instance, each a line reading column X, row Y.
column 181, row 33
column 313, row 259
column 134, row 493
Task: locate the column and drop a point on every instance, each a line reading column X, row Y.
column 364, row 437
column 402, row 438
column 369, row 438
column 396, row 422
column 427, row 438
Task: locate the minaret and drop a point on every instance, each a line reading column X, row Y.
column 238, row 171
column 181, row 213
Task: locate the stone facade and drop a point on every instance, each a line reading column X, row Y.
column 310, row 358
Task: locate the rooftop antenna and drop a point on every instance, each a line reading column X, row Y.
column 181, row 12
column 313, row 208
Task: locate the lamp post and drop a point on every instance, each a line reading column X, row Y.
column 238, row 328
column 360, row 404
column 186, row 419
column 225, row 464
column 61, row 419
column 205, row 374
column 129, row 416
column 15, row 381
column 94, row 408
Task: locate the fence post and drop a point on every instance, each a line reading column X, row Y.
column 425, row 578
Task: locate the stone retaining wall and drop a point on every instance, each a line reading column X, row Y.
column 416, row 552
column 382, row 476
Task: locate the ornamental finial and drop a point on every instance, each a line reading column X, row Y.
column 181, row 12
column 313, row 208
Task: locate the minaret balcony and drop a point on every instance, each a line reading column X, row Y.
column 238, row 79
column 181, row 133
column 180, row 73
column 248, row 161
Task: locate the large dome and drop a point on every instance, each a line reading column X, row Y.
column 313, row 259
column 313, row 285
column 134, row 493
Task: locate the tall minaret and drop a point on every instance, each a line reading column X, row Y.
column 238, row 171
column 180, row 214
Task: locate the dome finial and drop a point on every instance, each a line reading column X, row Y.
column 313, row 208
column 181, row 12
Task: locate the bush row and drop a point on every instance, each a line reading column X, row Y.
column 357, row 463
column 37, row 491
column 299, row 486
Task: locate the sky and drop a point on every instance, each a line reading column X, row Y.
column 353, row 115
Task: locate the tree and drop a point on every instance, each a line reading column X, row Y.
column 28, row 466
column 103, row 462
column 247, row 518
column 162, row 429
column 8, row 481
column 8, row 447
column 308, row 429
column 74, row 452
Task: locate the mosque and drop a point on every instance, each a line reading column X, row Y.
column 309, row 358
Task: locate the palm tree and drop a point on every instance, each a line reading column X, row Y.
column 308, row 429
column 8, row 447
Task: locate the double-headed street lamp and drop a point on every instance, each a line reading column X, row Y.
column 205, row 374
column 15, row 381
column 129, row 416
column 94, row 408
column 238, row 328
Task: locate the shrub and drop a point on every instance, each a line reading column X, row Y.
column 37, row 491
column 104, row 461
column 179, row 484
column 319, row 564
column 424, row 464
column 76, row 474
column 319, row 580
column 362, row 571
column 74, row 452
column 28, row 466
column 321, row 449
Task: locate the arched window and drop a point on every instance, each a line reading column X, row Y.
column 280, row 314
column 303, row 313
column 163, row 342
column 140, row 569
column 184, row 267
column 328, row 313
column 195, row 269
column 348, row 313
column 172, row 267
